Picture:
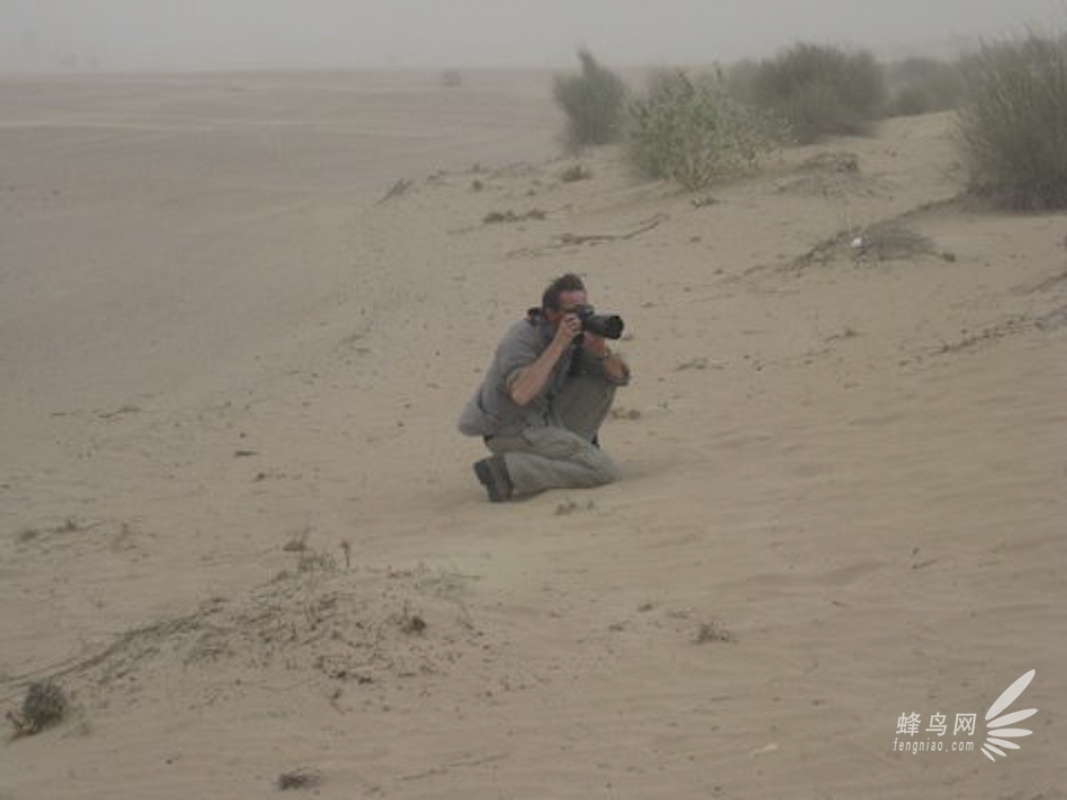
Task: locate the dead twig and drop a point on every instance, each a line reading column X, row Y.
column 397, row 189
column 584, row 238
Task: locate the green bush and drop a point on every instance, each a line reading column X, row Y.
column 1013, row 122
column 822, row 90
column 691, row 131
column 923, row 85
column 594, row 102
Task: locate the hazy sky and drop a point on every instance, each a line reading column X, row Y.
column 249, row 34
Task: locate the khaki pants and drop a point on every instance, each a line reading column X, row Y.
column 562, row 455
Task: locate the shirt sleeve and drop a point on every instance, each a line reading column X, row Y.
column 517, row 351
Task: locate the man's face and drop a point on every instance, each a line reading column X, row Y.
column 568, row 301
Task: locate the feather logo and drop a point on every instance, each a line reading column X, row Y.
column 999, row 733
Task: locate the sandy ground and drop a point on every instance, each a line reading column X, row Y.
column 238, row 317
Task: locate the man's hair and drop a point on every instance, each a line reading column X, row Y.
column 564, row 283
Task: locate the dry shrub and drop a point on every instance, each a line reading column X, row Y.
column 575, row 173
column 822, row 90
column 594, row 102
column 712, row 632
column 689, row 129
column 1013, row 123
column 45, row 705
column 890, row 241
column 923, row 85
column 302, row 778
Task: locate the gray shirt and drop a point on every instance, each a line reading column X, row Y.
column 491, row 411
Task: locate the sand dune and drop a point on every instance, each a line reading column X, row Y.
column 238, row 317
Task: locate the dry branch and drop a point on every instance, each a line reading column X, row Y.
column 584, row 238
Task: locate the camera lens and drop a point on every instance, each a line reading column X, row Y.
column 607, row 325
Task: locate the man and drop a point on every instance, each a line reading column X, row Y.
column 544, row 397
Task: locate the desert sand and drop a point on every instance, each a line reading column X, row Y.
column 239, row 315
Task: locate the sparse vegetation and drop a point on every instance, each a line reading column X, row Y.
column 888, row 241
column 308, row 559
column 594, row 102
column 571, row 506
column 1013, row 123
column 821, row 90
column 496, row 217
column 690, row 130
column 45, row 705
column 315, row 561
column 712, row 632
column 411, row 624
column 71, row 525
column 302, row 778
column 575, row 173
column 922, row 85
column 740, row 80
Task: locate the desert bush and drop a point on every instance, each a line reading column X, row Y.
column 740, row 80
column 594, row 102
column 690, row 130
column 822, row 90
column 888, row 241
column 1013, row 122
column 45, row 705
column 922, row 85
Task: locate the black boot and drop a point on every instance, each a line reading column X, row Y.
column 492, row 472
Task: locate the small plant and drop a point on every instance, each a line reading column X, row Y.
column 496, row 217
column 690, row 130
column 411, row 624
column 298, row 542
column 712, row 632
column 571, row 507
column 309, row 559
column 889, row 241
column 821, row 90
column 594, row 103
column 302, row 778
column 315, row 561
column 1013, row 123
column 45, row 704
column 575, row 173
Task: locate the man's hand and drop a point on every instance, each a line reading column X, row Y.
column 533, row 379
column 615, row 368
column 595, row 345
column 569, row 327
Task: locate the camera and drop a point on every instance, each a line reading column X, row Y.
column 607, row 325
